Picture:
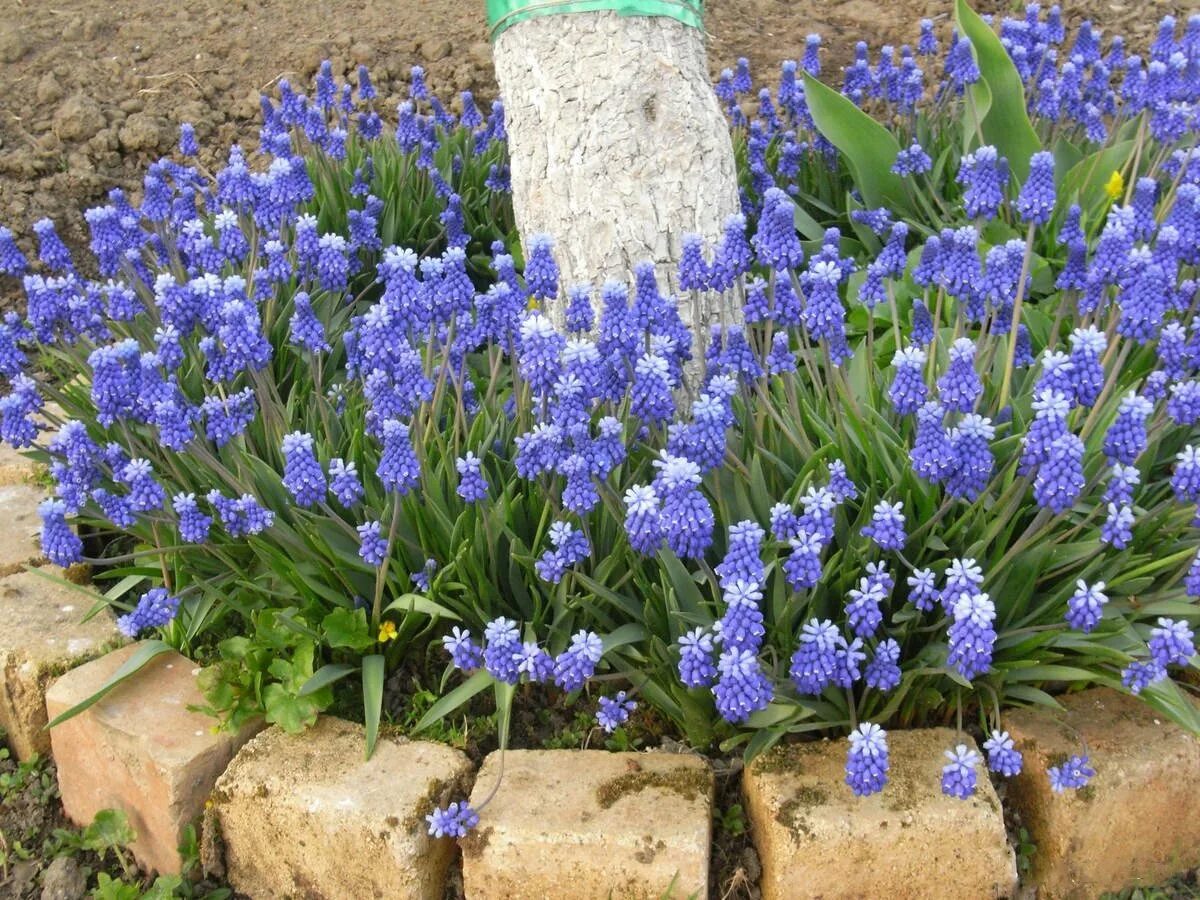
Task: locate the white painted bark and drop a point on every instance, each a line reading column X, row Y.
column 618, row 146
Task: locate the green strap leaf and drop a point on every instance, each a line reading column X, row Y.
column 869, row 148
column 504, row 702
column 145, row 652
column 1006, row 124
column 421, row 604
column 372, row 682
column 453, row 700
column 325, row 676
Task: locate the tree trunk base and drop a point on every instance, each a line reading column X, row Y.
column 618, row 145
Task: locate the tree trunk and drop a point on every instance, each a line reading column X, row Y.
column 618, row 146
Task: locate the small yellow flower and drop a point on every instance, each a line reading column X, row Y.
column 1115, row 186
column 532, row 304
column 387, row 632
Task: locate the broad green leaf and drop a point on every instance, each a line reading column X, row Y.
column 145, row 652
column 372, row 685
column 110, row 828
column 348, row 628
column 1006, row 125
column 1084, row 183
column 869, row 148
column 289, row 711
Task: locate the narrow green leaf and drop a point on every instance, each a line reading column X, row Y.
column 372, row 683
column 453, row 700
column 504, row 703
column 145, row 652
column 325, row 676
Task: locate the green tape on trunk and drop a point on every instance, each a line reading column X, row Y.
column 503, row 13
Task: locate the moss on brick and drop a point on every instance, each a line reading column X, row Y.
column 686, row 782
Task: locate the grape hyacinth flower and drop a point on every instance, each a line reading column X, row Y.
column 912, row 160
column 883, row 671
column 816, row 662
column 802, row 567
column 973, row 635
column 302, row 474
column 344, row 482
column 687, row 517
column 1087, row 368
column 696, row 667
column 614, row 712
column 61, row 545
column 972, row 456
column 501, row 641
column 960, row 387
column 908, row 391
column 193, row 524
column 398, row 469
column 867, row 763
column 1060, row 479
column 1172, row 642
column 1003, row 758
column 643, row 519
column 454, row 821
column 1185, row 480
column 1126, row 438
column 741, row 688
column 156, row 608
column 862, row 611
column 984, row 176
column 465, row 654
column 471, row 486
column 1035, row 204
column 958, row 775
column 1117, row 529
column 886, row 527
column 840, row 484
column 577, row 663
column 743, row 560
column 741, row 626
column 922, row 589
column 1073, row 774
column 372, row 546
column 1086, row 605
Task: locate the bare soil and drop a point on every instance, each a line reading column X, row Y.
column 94, row 90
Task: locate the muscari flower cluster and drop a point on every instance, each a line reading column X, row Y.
column 199, row 264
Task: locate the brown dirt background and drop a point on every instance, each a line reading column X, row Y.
column 95, row 90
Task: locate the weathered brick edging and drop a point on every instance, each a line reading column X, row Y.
column 1137, row 823
column 306, row 812
column 139, row 749
column 816, row 839
column 587, row 823
column 306, row 815
column 42, row 637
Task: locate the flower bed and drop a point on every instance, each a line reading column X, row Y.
column 316, row 416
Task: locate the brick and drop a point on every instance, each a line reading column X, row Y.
column 139, row 749
column 1136, row 823
column 816, row 839
column 15, row 466
column 43, row 636
column 574, row 824
column 306, row 815
column 20, row 526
